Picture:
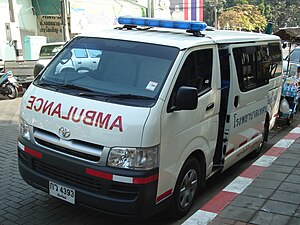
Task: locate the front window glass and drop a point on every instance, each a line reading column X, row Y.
column 124, row 72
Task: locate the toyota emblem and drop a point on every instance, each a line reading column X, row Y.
column 64, row 132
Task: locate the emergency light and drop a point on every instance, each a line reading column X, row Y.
column 191, row 26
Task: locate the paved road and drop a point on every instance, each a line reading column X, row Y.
column 22, row 204
column 9, row 110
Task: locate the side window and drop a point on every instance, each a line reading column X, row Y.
column 80, row 53
column 195, row 72
column 275, row 60
column 252, row 66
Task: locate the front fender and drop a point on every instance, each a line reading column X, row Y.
column 198, row 143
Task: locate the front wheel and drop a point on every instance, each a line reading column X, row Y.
column 186, row 188
column 11, row 91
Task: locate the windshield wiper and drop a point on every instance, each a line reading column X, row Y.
column 46, row 84
column 64, row 86
column 74, row 87
column 117, row 96
column 131, row 96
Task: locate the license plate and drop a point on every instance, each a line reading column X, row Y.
column 12, row 80
column 62, row 192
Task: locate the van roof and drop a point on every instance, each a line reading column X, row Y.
column 180, row 38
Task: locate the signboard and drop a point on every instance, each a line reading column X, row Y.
column 92, row 15
column 50, row 26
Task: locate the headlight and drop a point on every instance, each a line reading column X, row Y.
column 133, row 158
column 24, row 129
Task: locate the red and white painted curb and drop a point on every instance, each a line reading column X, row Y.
column 211, row 209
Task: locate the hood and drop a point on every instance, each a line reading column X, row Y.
column 44, row 61
column 87, row 120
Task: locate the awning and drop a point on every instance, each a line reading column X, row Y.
column 290, row 34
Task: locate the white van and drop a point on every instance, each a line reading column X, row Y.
column 163, row 110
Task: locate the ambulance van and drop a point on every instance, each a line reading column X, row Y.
column 169, row 104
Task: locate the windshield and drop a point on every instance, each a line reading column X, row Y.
column 125, row 72
column 294, row 56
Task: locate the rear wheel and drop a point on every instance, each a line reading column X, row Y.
column 186, row 188
column 11, row 91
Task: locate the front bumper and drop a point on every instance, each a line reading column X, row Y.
column 118, row 196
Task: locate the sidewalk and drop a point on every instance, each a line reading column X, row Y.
column 267, row 193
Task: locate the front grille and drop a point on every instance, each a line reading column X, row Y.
column 50, row 171
column 78, row 148
column 68, row 151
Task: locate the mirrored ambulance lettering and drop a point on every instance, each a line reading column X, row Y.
column 87, row 117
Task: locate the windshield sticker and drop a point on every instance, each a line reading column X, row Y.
column 75, row 114
column 151, row 86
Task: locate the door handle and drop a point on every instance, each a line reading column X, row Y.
column 210, row 106
column 236, row 101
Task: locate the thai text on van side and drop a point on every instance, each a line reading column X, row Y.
column 238, row 121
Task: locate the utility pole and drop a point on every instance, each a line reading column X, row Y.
column 216, row 3
column 11, row 11
column 150, row 9
column 64, row 20
column 216, row 16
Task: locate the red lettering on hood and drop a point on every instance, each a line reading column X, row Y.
column 38, row 108
column 87, row 117
column 30, row 101
column 101, row 121
column 117, row 123
column 76, row 120
column 47, row 107
column 57, row 110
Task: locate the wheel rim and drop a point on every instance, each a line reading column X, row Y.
column 11, row 91
column 188, row 188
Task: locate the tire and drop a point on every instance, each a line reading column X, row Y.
column 289, row 120
column 12, row 91
column 186, row 189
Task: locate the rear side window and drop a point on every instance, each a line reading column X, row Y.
column 275, row 60
column 252, row 66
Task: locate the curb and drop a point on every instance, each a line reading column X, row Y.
column 212, row 208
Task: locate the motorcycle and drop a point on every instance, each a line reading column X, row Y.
column 8, row 85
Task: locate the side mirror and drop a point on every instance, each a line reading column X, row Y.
column 186, row 99
column 37, row 69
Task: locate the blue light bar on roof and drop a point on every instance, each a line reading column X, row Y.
column 151, row 22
